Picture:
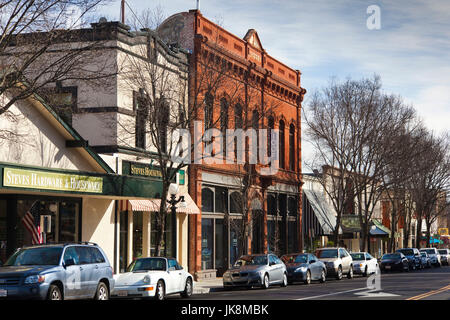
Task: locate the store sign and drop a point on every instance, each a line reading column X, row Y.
column 142, row 170
column 443, row 231
column 31, row 179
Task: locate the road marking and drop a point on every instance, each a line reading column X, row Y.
column 373, row 294
column 332, row 294
column 430, row 293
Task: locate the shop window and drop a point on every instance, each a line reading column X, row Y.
column 137, row 234
column 292, row 206
column 220, row 246
column 271, row 205
column 207, row 243
column 123, row 245
column 207, row 200
column 235, row 237
column 3, row 231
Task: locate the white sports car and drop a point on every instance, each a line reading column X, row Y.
column 153, row 277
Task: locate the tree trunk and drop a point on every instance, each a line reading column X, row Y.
column 419, row 231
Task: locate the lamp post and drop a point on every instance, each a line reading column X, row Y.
column 173, row 201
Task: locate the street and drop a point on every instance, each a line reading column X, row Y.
column 427, row 284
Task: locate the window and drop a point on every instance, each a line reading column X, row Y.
column 141, row 108
column 292, row 147
column 342, row 253
column 281, row 144
column 235, row 202
column 255, row 125
column 63, row 100
column 85, row 255
column 163, row 122
column 270, row 124
column 207, row 200
column 172, row 263
column 221, row 200
column 96, row 255
column 208, row 110
column 71, row 253
column 224, row 122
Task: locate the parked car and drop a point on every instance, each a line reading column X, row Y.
column 154, row 277
column 445, row 256
column 435, row 258
column 364, row 263
column 413, row 256
column 304, row 267
column 57, row 272
column 426, row 262
column 337, row 260
column 260, row 270
column 394, row 261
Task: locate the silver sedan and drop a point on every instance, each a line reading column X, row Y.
column 260, row 270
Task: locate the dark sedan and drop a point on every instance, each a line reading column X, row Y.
column 394, row 261
column 304, row 267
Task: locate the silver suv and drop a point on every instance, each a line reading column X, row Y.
column 337, row 260
column 434, row 255
column 57, row 272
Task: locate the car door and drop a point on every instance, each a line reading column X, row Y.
column 312, row 263
column 86, row 272
column 370, row 263
column 99, row 267
column 345, row 260
column 274, row 271
column 175, row 276
column 72, row 284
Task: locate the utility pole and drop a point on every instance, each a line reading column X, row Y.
column 122, row 11
column 198, row 4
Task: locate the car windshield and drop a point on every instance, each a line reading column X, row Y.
column 327, row 253
column 251, row 260
column 358, row 256
column 442, row 251
column 40, row 256
column 391, row 256
column 429, row 251
column 406, row 252
column 292, row 258
column 423, row 254
column 148, row 264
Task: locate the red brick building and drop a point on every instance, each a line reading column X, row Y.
column 256, row 88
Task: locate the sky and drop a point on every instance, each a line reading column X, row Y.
column 323, row 39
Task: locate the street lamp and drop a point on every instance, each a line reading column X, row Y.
column 173, row 201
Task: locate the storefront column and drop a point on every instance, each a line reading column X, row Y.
column 130, row 237
column 146, row 232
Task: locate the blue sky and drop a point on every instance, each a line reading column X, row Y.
column 324, row 39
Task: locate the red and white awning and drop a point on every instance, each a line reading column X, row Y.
column 152, row 205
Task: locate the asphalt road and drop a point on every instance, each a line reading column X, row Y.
column 427, row 284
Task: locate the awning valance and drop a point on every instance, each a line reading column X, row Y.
column 153, row 205
column 379, row 230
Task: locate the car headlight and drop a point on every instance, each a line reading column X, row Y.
column 146, row 279
column 361, row 265
column 301, row 269
column 34, row 279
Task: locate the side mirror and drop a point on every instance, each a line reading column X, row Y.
column 68, row 263
column 171, row 269
column 312, row 261
column 271, row 263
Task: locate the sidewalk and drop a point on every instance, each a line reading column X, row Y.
column 207, row 286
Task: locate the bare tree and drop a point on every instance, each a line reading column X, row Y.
column 42, row 43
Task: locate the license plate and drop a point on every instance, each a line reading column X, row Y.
column 3, row 293
column 122, row 293
column 388, row 267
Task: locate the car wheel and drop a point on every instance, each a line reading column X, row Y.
column 187, row 289
column 54, row 293
column 350, row 273
column 308, row 278
column 323, row 277
column 265, row 284
column 339, row 273
column 160, row 291
column 284, row 283
column 102, row 292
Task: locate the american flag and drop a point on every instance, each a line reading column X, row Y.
column 31, row 223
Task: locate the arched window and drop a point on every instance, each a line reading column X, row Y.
column 270, row 124
column 255, row 126
column 224, row 123
column 209, row 104
column 235, row 202
column 292, row 147
column 141, row 107
column 238, row 122
column 163, row 122
column 282, row 146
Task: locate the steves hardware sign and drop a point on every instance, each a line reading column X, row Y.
column 33, row 179
column 143, row 170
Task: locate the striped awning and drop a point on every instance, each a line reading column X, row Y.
column 152, row 205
